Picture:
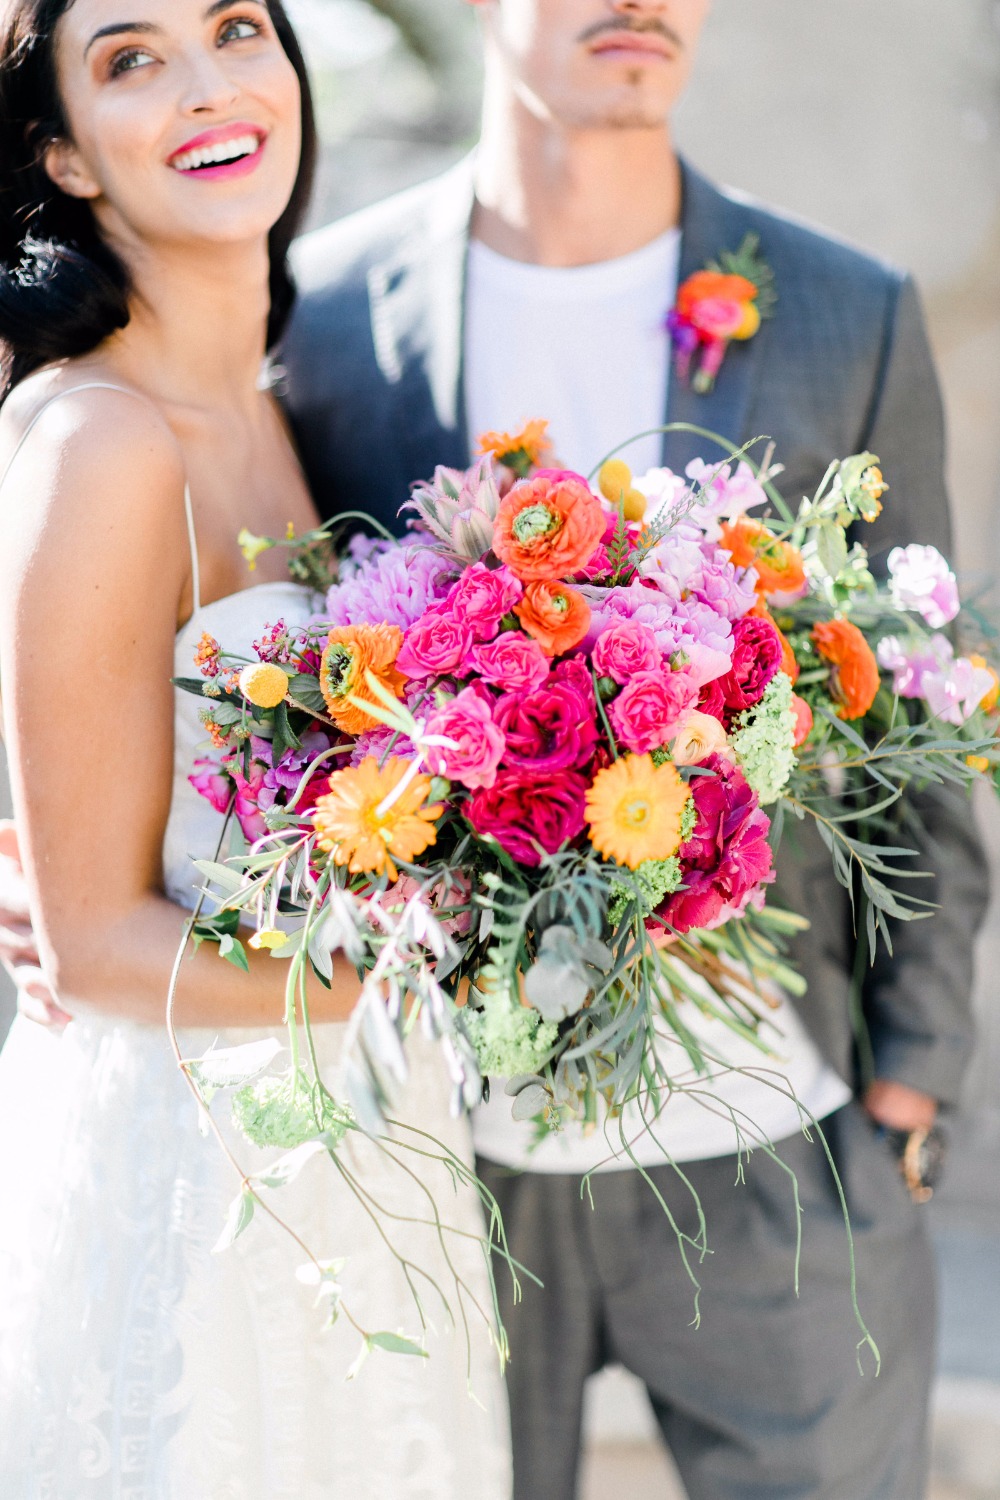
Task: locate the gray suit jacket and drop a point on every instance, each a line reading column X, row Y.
column 374, row 386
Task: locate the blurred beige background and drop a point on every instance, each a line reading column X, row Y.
column 881, row 120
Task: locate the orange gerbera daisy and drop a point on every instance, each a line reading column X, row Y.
column 548, row 527
column 779, row 565
column 558, row 617
column 351, row 652
column 635, row 810
column 372, row 815
column 854, row 680
column 519, row 451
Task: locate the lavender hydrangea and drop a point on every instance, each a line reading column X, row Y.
column 396, row 584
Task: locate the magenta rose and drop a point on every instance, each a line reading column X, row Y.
column 513, row 661
column 212, row 783
column 646, row 713
column 553, row 727
column 482, row 596
column 727, row 859
column 625, row 649
column 756, row 658
column 711, row 700
column 524, row 808
column 435, row 645
column 479, row 744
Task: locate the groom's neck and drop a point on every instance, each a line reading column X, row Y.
column 555, row 196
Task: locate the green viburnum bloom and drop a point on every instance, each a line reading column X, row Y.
column 273, row 1112
column 509, row 1039
column 656, row 879
column 763, row 740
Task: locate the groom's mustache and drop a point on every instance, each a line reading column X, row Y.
column 625, row 23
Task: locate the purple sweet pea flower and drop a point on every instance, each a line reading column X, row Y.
column 952, row 687
column 921, row 580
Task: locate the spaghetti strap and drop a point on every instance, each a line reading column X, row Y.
column 106, row 385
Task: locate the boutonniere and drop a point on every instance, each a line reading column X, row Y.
column 725, row 301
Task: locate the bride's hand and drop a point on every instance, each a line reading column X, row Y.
column 18, row 952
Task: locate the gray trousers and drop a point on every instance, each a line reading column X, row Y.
column 764, row 1400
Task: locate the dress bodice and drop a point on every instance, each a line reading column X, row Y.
column 236, row 621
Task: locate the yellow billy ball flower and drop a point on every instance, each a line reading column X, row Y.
column 634, row 505
column 614, row 480
column 750, row 322
column 264, row 684
column 635, row 810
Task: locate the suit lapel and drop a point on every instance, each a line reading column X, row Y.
column 417, row 299
column 710, row 223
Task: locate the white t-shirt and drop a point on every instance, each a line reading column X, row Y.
column 587, row 348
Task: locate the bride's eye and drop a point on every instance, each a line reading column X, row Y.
column 128, row 60
column 240, row 30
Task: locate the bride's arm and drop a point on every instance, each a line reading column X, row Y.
column 93, row 562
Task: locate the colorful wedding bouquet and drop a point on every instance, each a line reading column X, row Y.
column 527, row 768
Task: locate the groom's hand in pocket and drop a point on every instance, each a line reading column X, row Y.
column 18, row 950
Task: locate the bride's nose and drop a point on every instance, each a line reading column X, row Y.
column 208, row 87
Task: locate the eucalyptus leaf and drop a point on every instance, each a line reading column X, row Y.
column 397, row 1343
column 239, row 1219
column 287, row 1168
column 530, row 1102
column 234, row 1067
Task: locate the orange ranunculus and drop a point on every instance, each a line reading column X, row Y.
column 778, row 564
column 548, row 527
column 789, row 665
column 989, row 703
column 854, row 680
column 528, row 445
column 709, row 285
column 351, row 652
column 558, row 617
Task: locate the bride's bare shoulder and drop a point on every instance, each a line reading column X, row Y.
column 86, row 467
column 66, row 425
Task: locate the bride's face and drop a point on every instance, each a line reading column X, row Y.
column 184, row 119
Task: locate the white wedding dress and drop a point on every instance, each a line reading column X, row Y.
column 135, row 1364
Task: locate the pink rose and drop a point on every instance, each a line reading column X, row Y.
column 453, row 890
column 624, row 649
column 646, row 713
column 757, row 657
column 482, row 596
column 553, row 727
column 479, row 744
column 718, row 317
column 513, row 661
column 524, row 808
column 434, row 645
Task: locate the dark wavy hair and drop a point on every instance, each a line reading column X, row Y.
column 62, row 289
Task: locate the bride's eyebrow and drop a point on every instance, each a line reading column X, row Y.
column 145, row 28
